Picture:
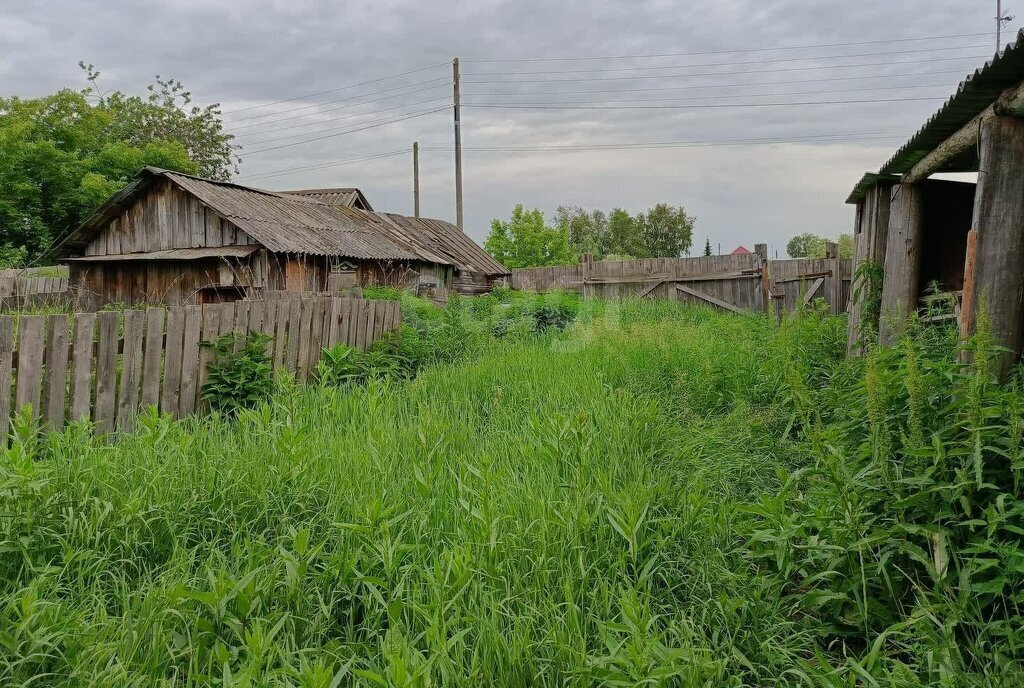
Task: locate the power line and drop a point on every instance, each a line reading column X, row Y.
column 730, row 95
column 310, row 168
column 348, row 131
column 333, row 119
column 726, row 64
column 748, row 71
column 434, row 83
column 680, row 144
column 707, row 86
column 726, row 52
column 339, row 88
column 598, row 106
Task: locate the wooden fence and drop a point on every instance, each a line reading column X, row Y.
column 741, row 283
column 105, row 366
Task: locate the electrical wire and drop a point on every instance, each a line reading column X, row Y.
column 726, row 52
column 335, row 90
column 545, row 106
column 333, row 119
column 337, row 163
column 348, row 131
column 750, row 71
column 722, row 64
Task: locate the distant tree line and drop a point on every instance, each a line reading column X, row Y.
column 527, row 240
column 809, row 245
column 63, row 154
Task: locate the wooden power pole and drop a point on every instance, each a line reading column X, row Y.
column 458, row 145
column 416, row 178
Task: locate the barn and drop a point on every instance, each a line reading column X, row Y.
column 171, row 238
column 964, row 239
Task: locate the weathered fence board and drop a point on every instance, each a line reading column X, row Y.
column 746, row 282
column 105, row 366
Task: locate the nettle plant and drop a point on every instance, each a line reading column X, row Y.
column 241, row 374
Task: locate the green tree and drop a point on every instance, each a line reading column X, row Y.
column 801, row 245
column 707, row 246
column 525, row 241
column 624, row 234
column 666, row 231
column 63, row 154
column 588, row 231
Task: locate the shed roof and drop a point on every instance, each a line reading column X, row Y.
column 348, row 197
column 974, row 94
column 286, row 223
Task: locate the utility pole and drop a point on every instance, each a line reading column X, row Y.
column 458, row 145
column 1000, row 20
column 416, row 178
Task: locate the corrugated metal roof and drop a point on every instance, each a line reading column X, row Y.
column 866, row 182
column 972, row 96
column 172, row 254
column 347, row 197
column 286, row 223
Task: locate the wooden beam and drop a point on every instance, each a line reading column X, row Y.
column 902, row 261
column 647, row 290
column 815, row 286
column 1009, row 104
column 998, row 279
column 710, row 299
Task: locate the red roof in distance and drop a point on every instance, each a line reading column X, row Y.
column 739, row 251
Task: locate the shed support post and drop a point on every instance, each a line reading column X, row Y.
column 902, row 261
column 870, row 234
column 998, row 270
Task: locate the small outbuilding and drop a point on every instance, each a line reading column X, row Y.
column 171, row 238
column 963, row 239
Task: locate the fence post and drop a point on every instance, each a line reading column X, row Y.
column 586, row 263
column 761, row 251
column 836, row 285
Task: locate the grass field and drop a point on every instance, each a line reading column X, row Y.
column 661, row 495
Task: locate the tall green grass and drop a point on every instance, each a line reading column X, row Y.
column 661, row 495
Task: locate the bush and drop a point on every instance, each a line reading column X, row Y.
column 240, row 374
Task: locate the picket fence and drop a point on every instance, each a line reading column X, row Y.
column 105, row 366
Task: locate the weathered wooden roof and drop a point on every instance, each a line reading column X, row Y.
column 347, row 197
column 975, row 93
column 286, row 223
column 172, row 254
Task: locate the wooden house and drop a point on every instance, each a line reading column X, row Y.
column 967, row 238
column 176, row 239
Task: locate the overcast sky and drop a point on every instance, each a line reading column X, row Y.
column 791, row 174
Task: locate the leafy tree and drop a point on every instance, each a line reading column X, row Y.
column 808, row 245
column 526, row 241
column 588, row 231
column 63, row 154
column 801, row 245
column 707, row 246
column 666, row 231
column 624, row 234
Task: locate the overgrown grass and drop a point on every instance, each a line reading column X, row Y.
column 661, row 495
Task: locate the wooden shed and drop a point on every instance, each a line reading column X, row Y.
column 176, row 239
column 967, row 238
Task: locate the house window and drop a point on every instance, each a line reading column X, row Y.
column 220, row 295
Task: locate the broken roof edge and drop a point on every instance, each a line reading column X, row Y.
column 866, row 182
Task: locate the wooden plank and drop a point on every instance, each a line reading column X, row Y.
column 281, row 333
column 170, row 399
column 815, row 286
column 291, row 355
column 360, row 324
column 211, row 328
column 56, row 371
column 6, row 352
column 257, row 312
column 378, row 321
column 316, row 335
column 131, row 369
column 190, row 353
column 82, row 367
column 305, row 338
column 333, row 323
column 106, row 372
column 647, row 290
column 31, row 334
column 710, row 299
column 153, row 355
